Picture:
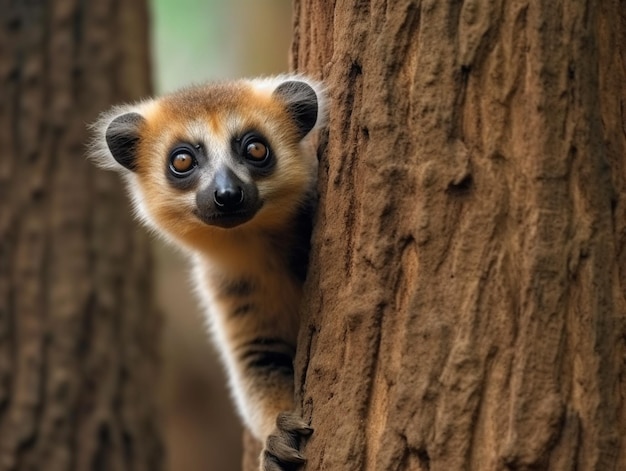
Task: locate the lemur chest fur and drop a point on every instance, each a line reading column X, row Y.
column 256, row 282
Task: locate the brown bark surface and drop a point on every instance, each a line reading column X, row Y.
column 465, row 305
column 78, row 332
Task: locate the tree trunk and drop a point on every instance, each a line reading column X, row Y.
column 78, row 330
column 465, row 303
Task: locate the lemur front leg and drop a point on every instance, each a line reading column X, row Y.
column 257, row 326
column 266, row 374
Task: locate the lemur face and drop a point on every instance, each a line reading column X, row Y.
column 218, row 156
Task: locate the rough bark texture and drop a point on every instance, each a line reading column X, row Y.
column 78, row 332
column 465, row 301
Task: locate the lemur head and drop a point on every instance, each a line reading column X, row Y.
column 214, row 157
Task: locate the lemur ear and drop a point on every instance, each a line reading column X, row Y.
column 302, row 103
column 122, row 137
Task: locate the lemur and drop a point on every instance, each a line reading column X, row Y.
column 227, row 172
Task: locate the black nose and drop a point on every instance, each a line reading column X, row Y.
column 228, row 198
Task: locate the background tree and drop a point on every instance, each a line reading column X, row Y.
column 466, row 296
column 78, row 332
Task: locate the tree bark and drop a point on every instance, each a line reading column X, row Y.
column 78, row 330
column 465, row 303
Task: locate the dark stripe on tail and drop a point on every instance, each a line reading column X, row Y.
column 269, row 354
column 237, row 288
column 243, row 309
column 269, row 361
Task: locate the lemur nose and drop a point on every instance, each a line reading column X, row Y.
column 228, row 198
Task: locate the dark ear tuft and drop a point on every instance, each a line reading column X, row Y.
column 122, row 137
column 302, row 103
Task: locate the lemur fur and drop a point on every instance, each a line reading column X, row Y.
column 227, row 171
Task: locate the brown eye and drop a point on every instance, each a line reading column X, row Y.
column 256, row 150
column 181, row 163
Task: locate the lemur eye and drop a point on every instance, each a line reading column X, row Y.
column 256, row 151
column 182, row 162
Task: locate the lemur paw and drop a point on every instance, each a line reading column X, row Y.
column 282, row 448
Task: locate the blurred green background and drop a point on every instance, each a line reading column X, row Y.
column 194, row 41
